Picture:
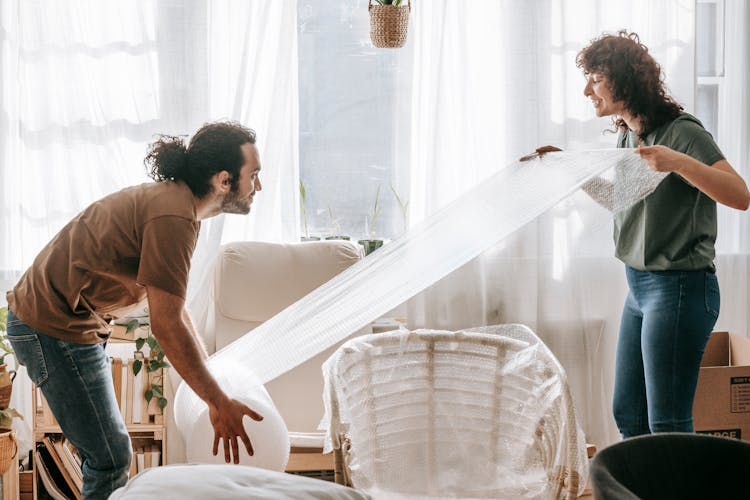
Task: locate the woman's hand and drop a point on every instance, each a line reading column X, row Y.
column 539, row 152
column 662, row 158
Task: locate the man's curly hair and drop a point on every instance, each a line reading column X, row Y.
column 635, row 79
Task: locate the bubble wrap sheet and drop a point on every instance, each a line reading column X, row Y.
column 448, row 239
column 482, row 413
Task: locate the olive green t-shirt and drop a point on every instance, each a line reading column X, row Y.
column 674, row 228
column 101, row 261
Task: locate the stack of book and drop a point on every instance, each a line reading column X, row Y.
column 130, row 392
column 144, row 457
column 57, row 461
column 59, row 464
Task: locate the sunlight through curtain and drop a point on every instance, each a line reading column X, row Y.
column 485, row 96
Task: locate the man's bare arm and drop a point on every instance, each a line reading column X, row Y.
column 188, row 358
column 191, row 327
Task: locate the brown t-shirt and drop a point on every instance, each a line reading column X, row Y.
column 102, row 260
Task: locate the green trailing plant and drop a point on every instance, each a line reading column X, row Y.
column 403, row 205
column 154, row 364
column 5, row 348
column 303, row 203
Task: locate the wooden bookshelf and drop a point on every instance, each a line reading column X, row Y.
column 57, row 460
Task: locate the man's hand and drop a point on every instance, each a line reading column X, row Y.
column 539, row 152
column 227, row 418
column 662, row 158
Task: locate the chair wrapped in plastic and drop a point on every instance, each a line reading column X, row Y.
column 481, row 413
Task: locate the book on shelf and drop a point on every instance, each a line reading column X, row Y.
column 130, row 393
column 117, row 377
column 138, row 398
column 155, row 456
column 58, row 462
column 66, row 465
column 147, row 456
column 128, row 416
column 125, row 369
column 50, row 476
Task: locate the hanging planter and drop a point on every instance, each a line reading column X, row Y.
column 389, row 22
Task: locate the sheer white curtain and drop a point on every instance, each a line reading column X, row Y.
column 250, row 61
column 733, row 245
column 81, row 99
column 486, row 95
column 87, row 84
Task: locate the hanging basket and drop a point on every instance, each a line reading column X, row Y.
column 8, row 450
column 389, row 24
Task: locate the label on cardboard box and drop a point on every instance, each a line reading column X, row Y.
column 726, row 433
column 740, row 394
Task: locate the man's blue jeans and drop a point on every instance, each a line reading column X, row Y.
column 76, row 380
column 667, row 319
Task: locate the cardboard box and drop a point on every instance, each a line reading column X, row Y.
column 722, row 399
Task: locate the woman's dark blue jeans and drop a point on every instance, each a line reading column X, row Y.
column 666, row 322
column 76, row 380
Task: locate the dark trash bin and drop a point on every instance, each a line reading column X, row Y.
column 672, row 466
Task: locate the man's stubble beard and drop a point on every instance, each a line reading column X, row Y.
column 233, row 204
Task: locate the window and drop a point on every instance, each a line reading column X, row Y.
column 709, row 62
column 353, row 129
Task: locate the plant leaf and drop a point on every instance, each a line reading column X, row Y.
column 148, row 395
column 162, row 403
column 139, row 343
column 137, row 364
column 3, row 318
column 152, row 343
column 131, row 326
column 157, row 390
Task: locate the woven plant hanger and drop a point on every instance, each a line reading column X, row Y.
column 389, row 24
column 8, row 449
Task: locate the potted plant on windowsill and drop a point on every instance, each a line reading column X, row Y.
column 303, row 207
column 335, row 227
column 404, row 207
column 371, row 243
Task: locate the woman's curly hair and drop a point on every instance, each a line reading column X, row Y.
column 635, row 79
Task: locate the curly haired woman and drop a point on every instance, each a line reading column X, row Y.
column 666, row 240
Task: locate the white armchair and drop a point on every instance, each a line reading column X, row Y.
column 253, row 281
